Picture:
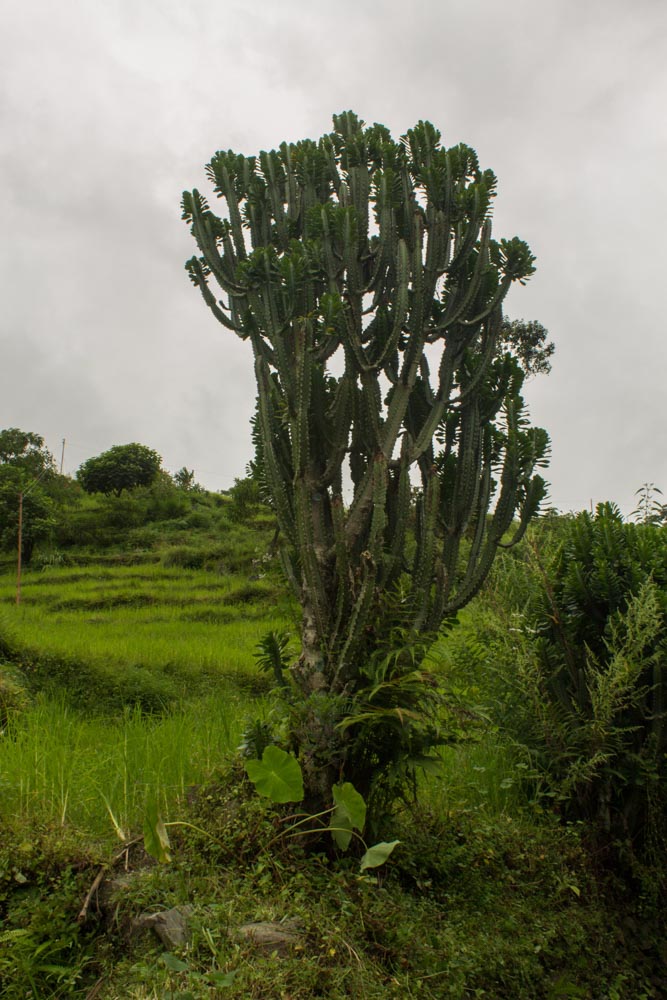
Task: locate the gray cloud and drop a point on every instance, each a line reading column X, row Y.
column 108, row 110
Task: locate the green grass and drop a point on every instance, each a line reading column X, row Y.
column 96, row 775
column 141, row 677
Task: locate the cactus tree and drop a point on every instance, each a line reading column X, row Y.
column 363, row 272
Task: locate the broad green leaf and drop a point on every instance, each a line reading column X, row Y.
column 173, row 964
column 221, row 978
column 430, row 765
column 377, row 855
column 277, row 775
column 349, row 813
column 156, row 838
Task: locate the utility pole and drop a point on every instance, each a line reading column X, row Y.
column 62, row 457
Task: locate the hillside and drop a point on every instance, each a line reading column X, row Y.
column 128, row 682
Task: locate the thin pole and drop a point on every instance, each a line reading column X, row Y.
column 18, row 564
column 62, row 457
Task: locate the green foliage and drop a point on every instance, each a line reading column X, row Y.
column 185, row 480
column 122, row 467
column 245, row 500
column 649, row 509
column 272, row 655
column 104, row 521
column 38, row 515
column 26, row 452
column 256, row 737
column 349, row 814
column 574, row 643
column 28, row 470
column 14, row 697
column 395, row 722
column 277, row 775
column 378, row 854
column 600, row 676
column 528, row 340
column 44, row 953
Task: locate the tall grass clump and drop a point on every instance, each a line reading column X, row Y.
column 97, row 775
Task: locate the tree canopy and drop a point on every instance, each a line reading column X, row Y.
column 25, row 451
column 122, row 467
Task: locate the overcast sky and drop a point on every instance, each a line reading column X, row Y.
column 110, row 108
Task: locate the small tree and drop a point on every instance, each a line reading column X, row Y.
column 120, row 468
column 363, row 272
column 26, row 451
column 28, row 481
column 17, row 491
column 184, row 479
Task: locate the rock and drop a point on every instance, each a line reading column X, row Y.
column 171, row 926
column 269, row 937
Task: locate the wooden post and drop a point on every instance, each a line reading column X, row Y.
column 18, row 565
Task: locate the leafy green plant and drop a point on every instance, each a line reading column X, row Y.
column 278, row 777
column 181, row 972
column 43, row 950
column 593, row 671
column 649, row 509
column 271, row 655
column 257, row 735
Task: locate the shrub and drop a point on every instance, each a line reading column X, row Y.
column 185, row 557
column 592, row 662
column 13, row 696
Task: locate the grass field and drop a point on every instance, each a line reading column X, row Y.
column 142, row 677
column 139, row 634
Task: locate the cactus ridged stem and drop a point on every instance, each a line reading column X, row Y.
column 368, row 249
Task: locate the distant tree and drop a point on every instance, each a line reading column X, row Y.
column 27, row 477
column 184, row 479
column 38, row 512
column 527, row 341
column 245, row 499
column 120, row 468
column 25, row 451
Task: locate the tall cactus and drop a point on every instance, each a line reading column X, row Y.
column 356, row 266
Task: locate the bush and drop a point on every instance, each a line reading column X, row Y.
column 186, row 557
column 581, row 650
column 13, row 696
column 245, row 500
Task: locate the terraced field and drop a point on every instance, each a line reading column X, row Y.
column 139, row 679
column 169, row 631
